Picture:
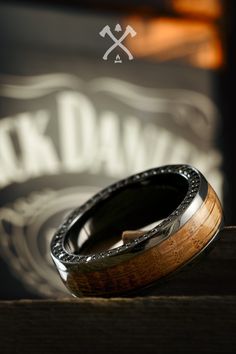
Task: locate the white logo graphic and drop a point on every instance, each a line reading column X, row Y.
column 27, row 228
column 118, row 41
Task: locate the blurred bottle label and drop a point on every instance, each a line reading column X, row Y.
column 71, row 124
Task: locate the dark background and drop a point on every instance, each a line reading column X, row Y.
column 43, row 37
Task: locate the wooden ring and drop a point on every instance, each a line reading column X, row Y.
column 178, row 195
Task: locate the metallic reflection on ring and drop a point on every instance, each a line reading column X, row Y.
column 178, row 195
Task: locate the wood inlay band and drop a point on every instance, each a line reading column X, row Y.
column 190, row 217
column 158, row 261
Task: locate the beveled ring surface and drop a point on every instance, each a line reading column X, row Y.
column 179, row 195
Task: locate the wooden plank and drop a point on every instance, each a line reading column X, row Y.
column 139, row 325
column 202, row 323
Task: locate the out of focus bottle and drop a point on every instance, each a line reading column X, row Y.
column 90, row 95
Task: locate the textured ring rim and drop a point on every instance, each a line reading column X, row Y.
column 193, row 176
column 97, row 274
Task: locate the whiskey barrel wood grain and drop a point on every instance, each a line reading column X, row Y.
column 211, row 275
column 157, row 262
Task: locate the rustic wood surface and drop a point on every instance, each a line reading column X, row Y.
column 195, row 312
column 140, row 325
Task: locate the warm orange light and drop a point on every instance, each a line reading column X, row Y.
column 163, row 39
column 201, row 8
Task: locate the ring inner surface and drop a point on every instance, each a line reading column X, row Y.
column 133, row 207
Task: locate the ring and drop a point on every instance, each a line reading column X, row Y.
column 137, row 231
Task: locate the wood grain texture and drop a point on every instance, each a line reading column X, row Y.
column 141, row 325
column 157, row 262
column 172, row 323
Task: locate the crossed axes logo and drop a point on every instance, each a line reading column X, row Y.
column 117, row 41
